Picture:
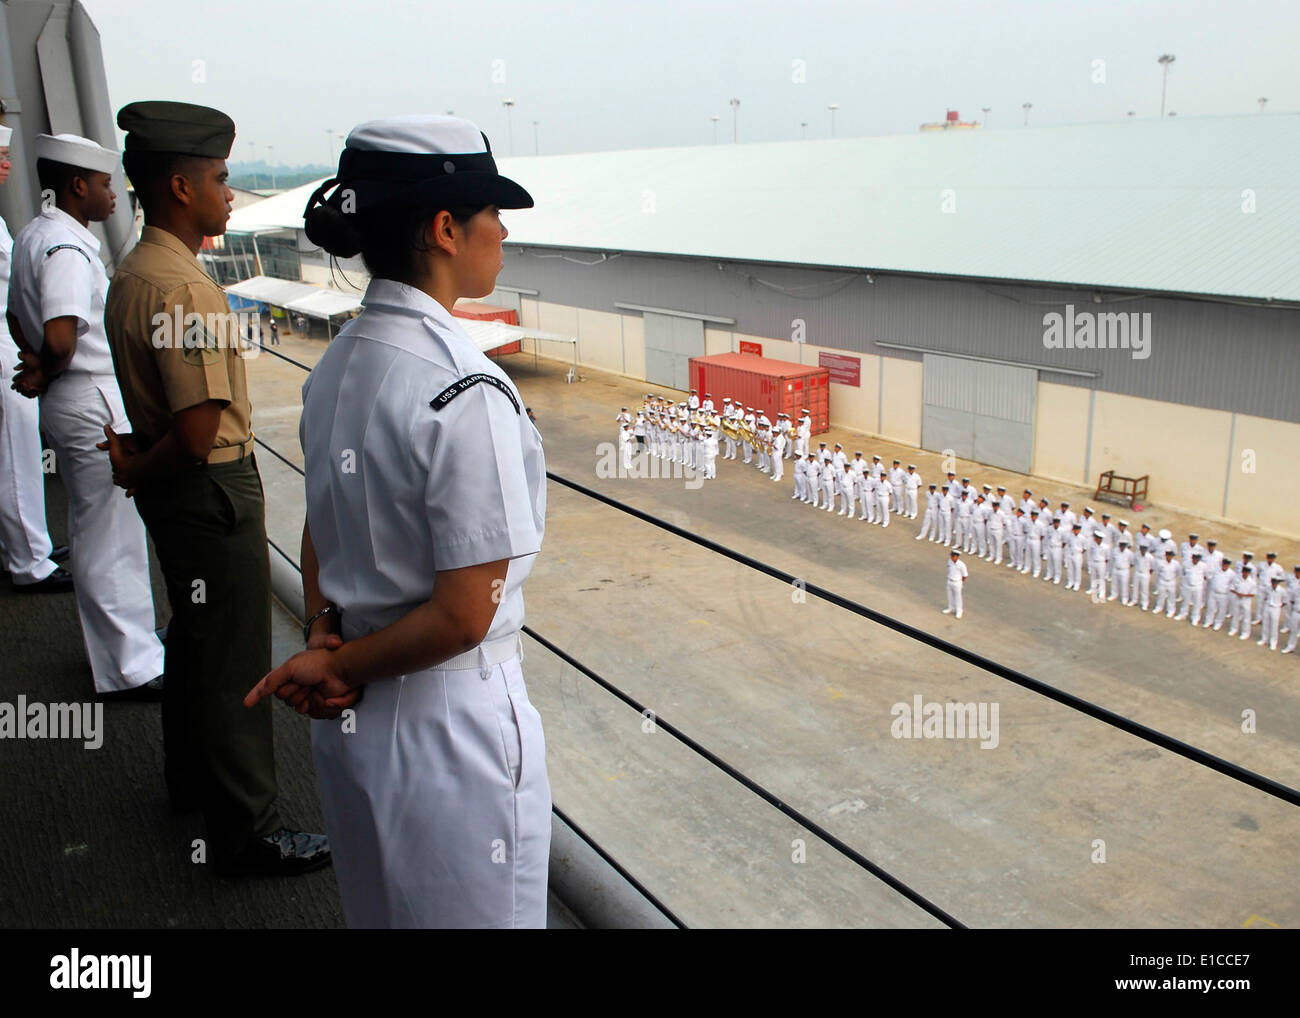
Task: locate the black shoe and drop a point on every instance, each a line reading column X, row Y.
column 58, row 582
column 284, row 853
column 59, row 554
column 150, row 692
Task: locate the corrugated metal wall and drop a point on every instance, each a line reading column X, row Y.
column 1221, row 356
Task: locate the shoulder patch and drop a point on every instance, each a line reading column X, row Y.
column 468, row 382
column 67, row 247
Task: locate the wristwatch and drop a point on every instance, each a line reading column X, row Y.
column 306, row 629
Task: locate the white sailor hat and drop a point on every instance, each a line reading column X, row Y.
column 1247, row 554
column 416, row 160
column 726, row 399
column 838, row 446
column 1164, row 535
column 1123, row 523
column 75, row 150
column 1002, row 487
column 954, row 552
column 1065, row 505
column 965, row 480
column 987, row 487
column 911, row 466
column 5, row 134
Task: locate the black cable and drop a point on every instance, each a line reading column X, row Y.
column 671, row 917
column 280, row 456
column 284, row 555
column 277, row 353
column 914, row 896
column 1092, row 710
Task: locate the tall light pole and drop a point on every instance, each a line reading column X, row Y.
column 832, row 107
column 510, row 134
column 715, row 118
column 270, row 158
column 1263, row 101
column 252, row 161
column 1026, row 107
column 1164, row 61
column 537, row 149
column 986, row 110
column 735, row 120
column 803, row 129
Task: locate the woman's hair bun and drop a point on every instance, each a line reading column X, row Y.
column 329, row 227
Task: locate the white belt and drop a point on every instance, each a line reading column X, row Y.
column 485, row 655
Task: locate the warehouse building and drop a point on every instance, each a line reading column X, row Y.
column 1059, row 301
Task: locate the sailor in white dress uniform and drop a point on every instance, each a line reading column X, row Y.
column 25, row 546
column 57, row 278
column 420, row 466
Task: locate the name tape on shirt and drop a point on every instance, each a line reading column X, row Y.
column 67, row 247
column 468, row 382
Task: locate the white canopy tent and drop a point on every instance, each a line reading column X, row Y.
column 314, row 301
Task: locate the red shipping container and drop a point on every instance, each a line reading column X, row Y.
column 489, row 313
column 766, row 384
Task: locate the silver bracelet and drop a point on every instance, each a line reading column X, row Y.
column 306, row 629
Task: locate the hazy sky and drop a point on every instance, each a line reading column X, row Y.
column 615, row 74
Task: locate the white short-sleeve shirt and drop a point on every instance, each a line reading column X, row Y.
column 957, row 571
column 56, row 273
column 419, row 458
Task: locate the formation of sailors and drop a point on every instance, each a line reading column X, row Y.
column 695, row 432
column 1191, row 582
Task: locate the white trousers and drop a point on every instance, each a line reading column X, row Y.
column 929, row 524
column 778, row 468
column 1034, row 547
column 1271, row 618
column 945, row 528
column 1217, row 610
column 1142, row 589
column 438, row 806
column 109, row 555
column 23, row 531
column 1241, row 612
column 911, row 504
column 954, row 597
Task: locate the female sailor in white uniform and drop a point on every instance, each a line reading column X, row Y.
column 425, row 509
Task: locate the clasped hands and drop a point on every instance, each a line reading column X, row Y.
column 29, row 378
column 310, row 682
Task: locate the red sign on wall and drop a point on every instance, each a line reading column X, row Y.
column 844, row 370
column 748, row 347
